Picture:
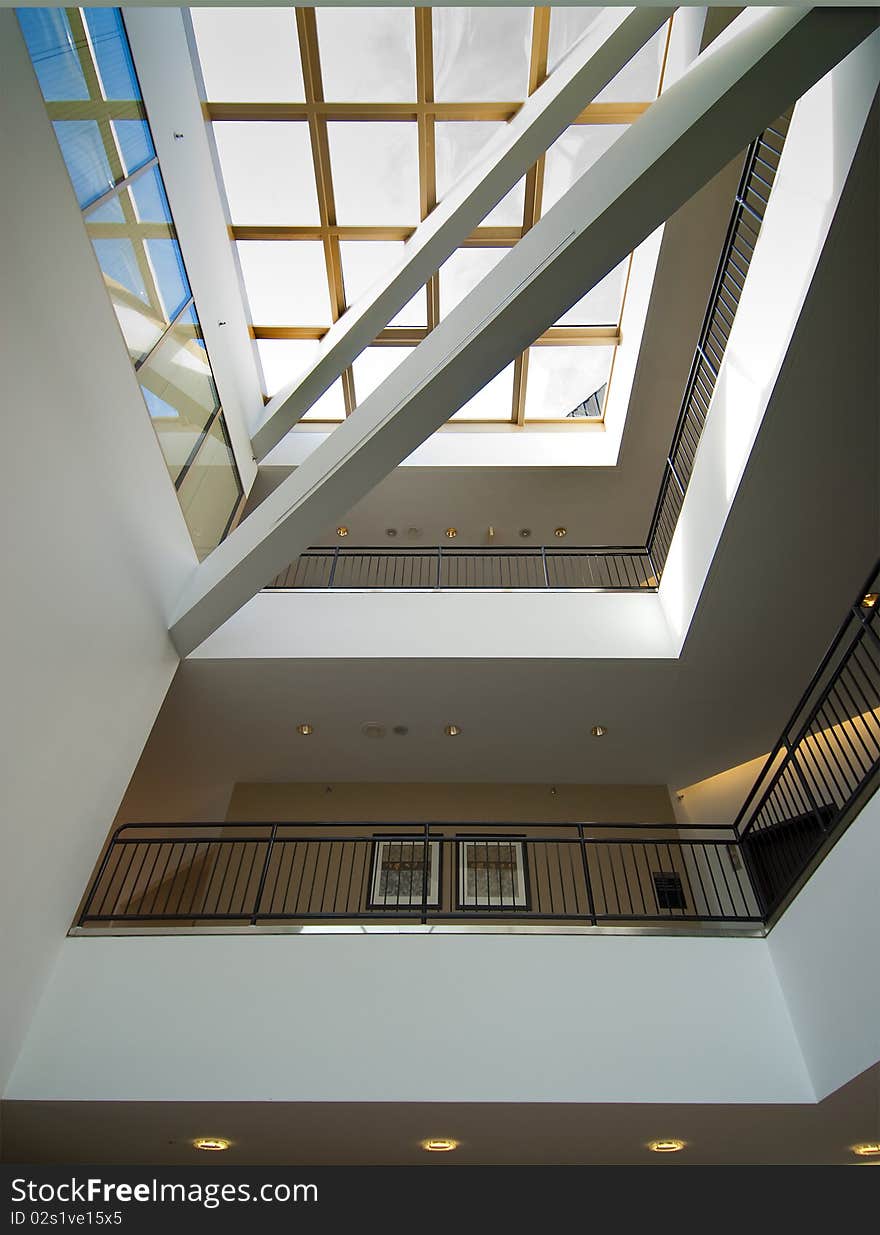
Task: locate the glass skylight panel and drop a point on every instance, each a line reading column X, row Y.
column 566, row 27
column 602, row 305
column 267, row 172
column 111, row 53
column 461, row 143
column 86, row 158
column 461, row 273
column 375, row 168
column 50, row 43
column 573, row 153
column 210, row 490
column 481, row 54
column 169, row 274
column 638, row 81
column 366, row 261
column 367, row 55
column 493, row 402
column 286, row 282
column 141, row 321
column 135, row 143
column 150, row 202
column 249, row 54
column 372, row 367
column 109, row 211
column 560, row 378
column 283, row 360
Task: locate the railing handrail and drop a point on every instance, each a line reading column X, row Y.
column 420, row 824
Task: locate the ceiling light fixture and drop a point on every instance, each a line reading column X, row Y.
column 525, row 532
column 452, row 731
column 305, row 730
column 560, row 531
column 870, row 601
column 598, row 731
column 439, row 1144
column 668, row 1145
column 452, row 532
column 867, row 1149
column 213, row 1144
column 391, row 532
column 342, row 530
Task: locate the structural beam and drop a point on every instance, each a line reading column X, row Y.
column 590, row 65
column 730, row 93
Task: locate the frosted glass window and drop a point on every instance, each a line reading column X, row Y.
column 638, row 81
column 286, row 282
column 562, row 377
column 367, row 55
column 461, row 143
column 375, row 364
column 249, row 54
column 481, row 54
column 375, row 168
column 365, row 261
column 461, row 273
column 566, row 27
column 267, row 172
column 283, row 360
column 576, row 150
column 602, row 305
column 493, row 402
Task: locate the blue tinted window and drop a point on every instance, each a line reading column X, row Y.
column 119, row 264
column 170, row 275
column 50, row 43
column 134, row 142
column 158, row 408
column 87, row 165
column 150, row 201
column 109, row 212
column 112, row 53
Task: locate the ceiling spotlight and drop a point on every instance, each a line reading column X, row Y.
column 342, row 530
column 598, row 731
column 867, row 1149
column 452, row 731
column 668, row 1145
column 439, row 1144
column 305, row 730
column 870, row 601
column 451, row 532
column 560, row 532
column 391, row 532
column 525, row 532
column 213, row 1144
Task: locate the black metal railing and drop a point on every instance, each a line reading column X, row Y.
column 603, row 568
column 814, row 781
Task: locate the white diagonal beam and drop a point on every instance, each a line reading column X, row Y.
column 730, row 93
column 586, row 70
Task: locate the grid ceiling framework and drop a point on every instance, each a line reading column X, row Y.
column 338, row 130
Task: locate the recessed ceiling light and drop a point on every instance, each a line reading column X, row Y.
column 342, row 531
column 452, row 731
column 560, row 531
column 439, row 1144
column 668, row 1145
column 373, row 729
column 213, row 1144
column 867, row 1149
column 452, row 532
column 598, row 731
column 391, row 532
column 870, row 601
column 305, row 730
column 525, row 531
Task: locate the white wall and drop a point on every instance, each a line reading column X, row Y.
column 825, row 950
column 413, row 1018
column 95, row 551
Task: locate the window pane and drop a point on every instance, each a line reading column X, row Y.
column 86, row 159
column 576, row 150
column 566, row 27
column 461, row 273
column 493, row 402
column 109, row 212
column 142, row 323
column 267, row 172
column 249, row 54
column 169, row 274
column 179, row 392
column 561, row 378
column 111, row 52
column 602, row 305
column 372, row 367
column 148, row 194
column 460, row 144
column 50, row 43
column 375, row 167
column 286, row 282
column 283, row 360
column 367, row 55
column 135, row 143
column 210, row 491
column 366, row 261
column 636, row 82
column 481, row 54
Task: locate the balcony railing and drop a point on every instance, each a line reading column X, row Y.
column 594, row 568
column 814, row 781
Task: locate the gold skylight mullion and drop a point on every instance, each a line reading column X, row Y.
column 593, row 113
column 481, row 238
column 410, row 336
column 427, row 149
column 307, row 30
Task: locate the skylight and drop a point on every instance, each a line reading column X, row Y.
column 338, row 130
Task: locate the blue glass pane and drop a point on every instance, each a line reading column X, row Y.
column 112, row 53
column 118, row 262
column 83, row 150
column 50, row 43
column 150, row 201
column 109, row 212
column 158, row 408
column 170, row 275
column 135, row 143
